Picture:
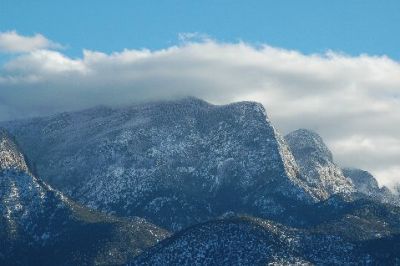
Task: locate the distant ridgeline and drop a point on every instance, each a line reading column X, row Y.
column 179, row 164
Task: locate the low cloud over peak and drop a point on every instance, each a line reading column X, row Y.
column 352, row 101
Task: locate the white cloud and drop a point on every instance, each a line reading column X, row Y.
column 12, row 42
column 193, row 37
column 352, row 101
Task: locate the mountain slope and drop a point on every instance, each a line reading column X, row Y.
column 175, row 163
column 39, row 226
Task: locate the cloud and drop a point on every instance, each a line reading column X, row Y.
column 352, row 101
column 12, row 42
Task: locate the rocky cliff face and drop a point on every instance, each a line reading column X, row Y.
column 176, row 163
column 40, row 226
column 316, row 164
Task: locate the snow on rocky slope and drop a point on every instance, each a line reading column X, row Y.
column 40, row 226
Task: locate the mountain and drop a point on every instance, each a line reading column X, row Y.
column 40, row 226
column 367, row 185
column 194, row 168
column 316, row 164
column 175, row 163
column 254, row 241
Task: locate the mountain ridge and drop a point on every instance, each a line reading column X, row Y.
column 166, row 156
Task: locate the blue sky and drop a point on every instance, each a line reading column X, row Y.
column 310, row 26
